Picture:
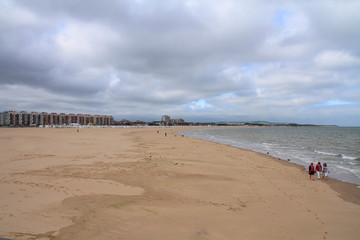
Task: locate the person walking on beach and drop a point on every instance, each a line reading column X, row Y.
column 311, row 170
column 325, row 171
column 318, row 169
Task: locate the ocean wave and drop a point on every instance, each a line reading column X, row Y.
column 337, row 155
column 348, row 157
column 327, row 153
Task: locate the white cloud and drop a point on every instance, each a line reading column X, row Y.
column 290, row 38
column 85, row 41
column 14, row 15
column 336, row 59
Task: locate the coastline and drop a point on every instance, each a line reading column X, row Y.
column 140, row 184
column 343, row 164
column 347, row 191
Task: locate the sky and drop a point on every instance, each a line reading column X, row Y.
column 199, row 60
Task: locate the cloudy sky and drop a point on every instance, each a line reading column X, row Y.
column 200, row 60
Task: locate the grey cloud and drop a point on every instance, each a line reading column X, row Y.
column 127, row 57
column 336, row 23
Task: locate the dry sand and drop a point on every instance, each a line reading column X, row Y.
column 138, row 184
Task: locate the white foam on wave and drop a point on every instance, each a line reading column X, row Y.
column 347, row 169
column 267, row 146
column 348, row 157
column 326, row 153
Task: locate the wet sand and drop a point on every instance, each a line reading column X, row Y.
column 136, row 183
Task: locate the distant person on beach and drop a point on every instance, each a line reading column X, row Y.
column 311, row 170
column 318, row 169
column 325, row 171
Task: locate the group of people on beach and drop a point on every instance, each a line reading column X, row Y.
column 319, row 169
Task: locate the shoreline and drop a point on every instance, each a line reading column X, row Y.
column 343, row 177
column 347, row 191
column 141, row 183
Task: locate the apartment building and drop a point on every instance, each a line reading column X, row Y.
column 166, row 120
column 34, row 119
column 8, row 118
column 13, row 118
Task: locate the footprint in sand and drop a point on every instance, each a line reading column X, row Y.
column 201, row 232
column 232, row 209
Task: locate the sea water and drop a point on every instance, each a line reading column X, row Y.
column 339, row 147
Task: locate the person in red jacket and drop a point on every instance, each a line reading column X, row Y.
column 318, row 169
column 311, row 170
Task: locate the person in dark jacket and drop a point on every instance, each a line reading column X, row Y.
column 311, row 170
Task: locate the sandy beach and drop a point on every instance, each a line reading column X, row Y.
column 137, row 183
